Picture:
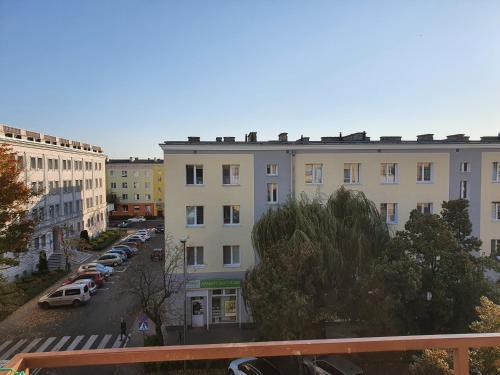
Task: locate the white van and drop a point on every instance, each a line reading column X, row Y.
column 71, row 294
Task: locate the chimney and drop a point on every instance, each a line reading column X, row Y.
column 457, row 138
column 283, row 137
column 229, row 139
column 193, row 139
column 252, row 137
column 425, row 138
column 136, row 158
column 395, row 139
column 131, row 158
column 218, row 139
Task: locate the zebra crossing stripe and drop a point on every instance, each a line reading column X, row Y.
column 75, row 342
column 60, row 344
column 4, row 345
column 89, row 342
column 31, row 345
column 117, row 342
column 45, row 345
column 104, row 341
column 12, row 350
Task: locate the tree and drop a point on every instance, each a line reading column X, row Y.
column 431, row 362
column 456, row 214
column 154, row 287
column 312, row 256
column 16, row 227
column 43, row 265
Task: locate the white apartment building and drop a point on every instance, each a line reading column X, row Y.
column 70, row 177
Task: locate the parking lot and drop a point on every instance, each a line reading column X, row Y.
column 95, row 324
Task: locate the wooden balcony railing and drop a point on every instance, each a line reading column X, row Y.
column 459, row 344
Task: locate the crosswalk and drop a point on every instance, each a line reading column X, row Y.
column 9, row 349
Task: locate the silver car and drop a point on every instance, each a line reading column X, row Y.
column 89, row 282
column 110, row 259
column 71, row 294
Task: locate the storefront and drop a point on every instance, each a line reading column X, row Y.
column 214, row 301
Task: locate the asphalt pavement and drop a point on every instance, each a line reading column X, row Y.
column 93, row 325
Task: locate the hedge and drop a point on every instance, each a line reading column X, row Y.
column 105, row 239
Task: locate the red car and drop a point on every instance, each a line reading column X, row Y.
column 96, row 276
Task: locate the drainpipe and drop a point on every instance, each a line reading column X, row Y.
column 292, row 173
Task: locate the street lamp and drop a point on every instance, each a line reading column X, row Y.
column 183, row 242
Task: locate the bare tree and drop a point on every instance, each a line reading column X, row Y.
column 155, row 286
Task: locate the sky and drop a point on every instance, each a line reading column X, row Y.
column 128, row 75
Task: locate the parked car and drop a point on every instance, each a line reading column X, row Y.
column 137, row 237
column 97, row 277
column 251, row 366
column 124, row 248
column 143, row 233
column 110, row 259
column 73, row 294
column 337, row 365
column 133, row 249
column 89, row 282
column 131, row 244
column 288, row 365
column 119, row 252
column 94, row 266
column 137, row 219
column 123, row 224
column 159, row 229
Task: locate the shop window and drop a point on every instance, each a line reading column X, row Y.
column 224, row 306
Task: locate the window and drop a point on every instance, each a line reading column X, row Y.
column 146, row 185
column 51, row 211
column 135, row 185
column 272, row 169
column 96, row 182
column 314, row 173
column 231, row 256
column 124, row 196
column 113, row 185
column 20, row 161
column 465, row 166
column 125, row 208
column 272, row 193
column 39, row 163
column 112, row 173
column 33, row 187
column 124, row 185
column 63, row 164
column 124, row 173
column 147, row 197
column 36, row 243
column 496, row 172
column 137, row 208
column 49, row 164
column 194, row 255
column 389, row 173
column 425, row 208
column 231, row 214
column 72, row 292
column 424, row 172
column 137, row 197
column 389, row 212
column 100, row 182
column 33, row 163
column 44, row 241
column 194, row 215
column 495, row 247
column 194, row 174
column 56, row 164
column 464, row 189
column 136, row 173
column 230, row 174
column 496, row 210
column 351, row 173
column 56, row 294
column 40, row 187
column 57, row 211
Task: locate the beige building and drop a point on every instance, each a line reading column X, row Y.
column 223, row 187
column 70, row 177
column 136, row 186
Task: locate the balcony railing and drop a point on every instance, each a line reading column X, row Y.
column 459, row 344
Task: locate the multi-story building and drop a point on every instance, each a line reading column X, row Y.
column 136, row 185
column 69, row 177
column 222, row 188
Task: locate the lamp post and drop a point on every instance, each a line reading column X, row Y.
column 183, row 242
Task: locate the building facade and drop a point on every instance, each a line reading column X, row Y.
column 222, row 188
column 136, row 186
column 70, row 179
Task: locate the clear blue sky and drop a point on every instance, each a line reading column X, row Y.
column 128, row 75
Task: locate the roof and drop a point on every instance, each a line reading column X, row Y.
column 134, row 161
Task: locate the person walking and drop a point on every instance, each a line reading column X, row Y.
column 123, row 329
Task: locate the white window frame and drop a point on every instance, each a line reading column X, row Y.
column 270, row 191
column 231, row 214
column 196, row 250
column 316, row 178
column 353, row 169
column 125, row 197
column 234, row 174
column 272, row 169
column 496, row 172
column 232, row 250
column 496, row 211
column 462, row 167
column 387, row 178
column 137, row 197
column 113, row 185
column 421, row 165
column 421, row 207
column 195, row 224
column 387, row 216
column 124, row 173
column 195, row 167
column 464, row 189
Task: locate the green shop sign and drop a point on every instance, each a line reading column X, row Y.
column 213, row 284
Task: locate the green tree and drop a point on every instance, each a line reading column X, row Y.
column 456, row 214
column 312, row 256
column 16, row 227
column 431, row 362
column 43, row 265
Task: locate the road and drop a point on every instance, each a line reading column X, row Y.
column 89, row 326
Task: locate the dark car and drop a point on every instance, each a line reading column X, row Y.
column 128, row 250
column 159, row 229
column 123, row 224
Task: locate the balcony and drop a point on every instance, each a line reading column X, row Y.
column 458, row 344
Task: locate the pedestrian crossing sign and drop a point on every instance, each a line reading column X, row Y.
column 143, row 326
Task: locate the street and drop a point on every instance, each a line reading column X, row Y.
column 93, row 325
